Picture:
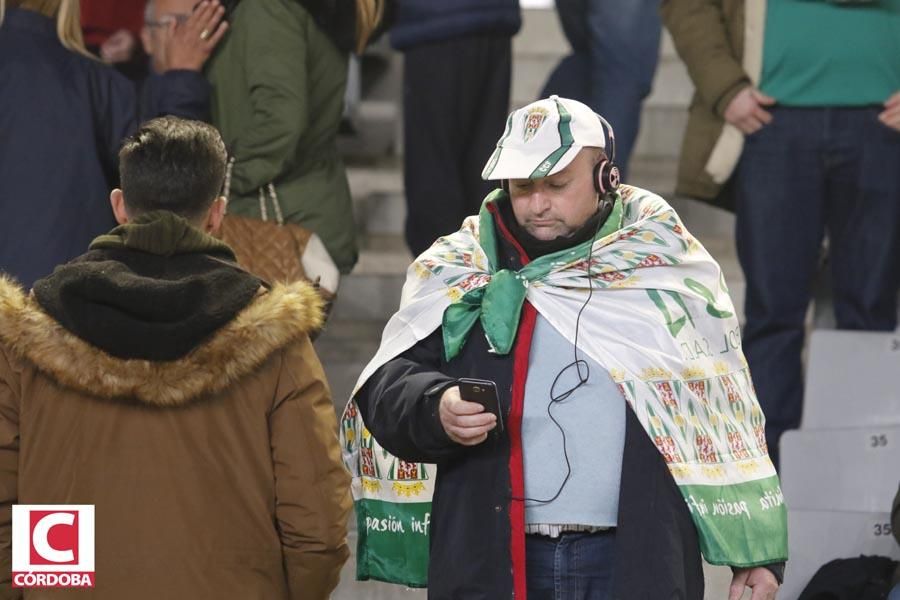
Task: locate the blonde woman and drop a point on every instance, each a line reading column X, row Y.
column 278, row 87
column 63, row 115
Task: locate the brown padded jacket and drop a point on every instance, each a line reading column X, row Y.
column 215, row 476
column 710, row 37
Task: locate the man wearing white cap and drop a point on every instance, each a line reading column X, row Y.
column 611, row 434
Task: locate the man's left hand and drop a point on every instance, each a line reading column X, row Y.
column 759, row 579
column 890, row 116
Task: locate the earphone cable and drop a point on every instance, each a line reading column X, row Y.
column 578, row 363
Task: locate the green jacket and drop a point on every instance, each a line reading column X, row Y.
column 720, row 42
column 278, row 95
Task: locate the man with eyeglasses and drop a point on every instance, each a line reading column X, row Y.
column 179, row 36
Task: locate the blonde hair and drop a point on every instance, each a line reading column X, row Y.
column 368, row 16
column 68, row 20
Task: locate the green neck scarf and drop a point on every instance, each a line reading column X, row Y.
column 498, row 305
column 163, row 233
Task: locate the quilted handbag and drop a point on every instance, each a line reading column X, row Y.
column 276, row 251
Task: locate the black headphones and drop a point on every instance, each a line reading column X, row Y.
column 607, row 176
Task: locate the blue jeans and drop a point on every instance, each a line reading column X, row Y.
column 615, row 49
column 812, row 171
column 576, row 566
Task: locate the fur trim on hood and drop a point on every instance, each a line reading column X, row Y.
column 272, row 321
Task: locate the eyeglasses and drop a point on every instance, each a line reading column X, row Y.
column 179, row 18
column 165, row 20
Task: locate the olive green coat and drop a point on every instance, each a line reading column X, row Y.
column 278, row 95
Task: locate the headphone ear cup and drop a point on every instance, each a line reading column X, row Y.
column 606, row 177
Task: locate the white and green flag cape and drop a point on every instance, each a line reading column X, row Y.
column 660, row 321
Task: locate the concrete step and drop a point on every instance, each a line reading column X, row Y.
column 372, row 291
column 672, row 86
column 376, row 131
column 541, row 35
column 345, row 348
column 384, row 213
column 661, row 132
column 376, row 184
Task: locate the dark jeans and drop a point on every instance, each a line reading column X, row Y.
column 615, row 48
column 812, row 171
column 455, row 103
column 576, row 566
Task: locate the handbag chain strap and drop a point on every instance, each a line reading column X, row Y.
column 263, row 209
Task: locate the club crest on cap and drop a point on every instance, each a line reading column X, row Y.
column 533, row 121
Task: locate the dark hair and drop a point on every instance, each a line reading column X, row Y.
column 172, row 164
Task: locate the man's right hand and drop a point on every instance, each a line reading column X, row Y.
column 746, row 112
column 188, row 45
column 466, row 423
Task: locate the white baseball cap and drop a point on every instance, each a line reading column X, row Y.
column 542, row 139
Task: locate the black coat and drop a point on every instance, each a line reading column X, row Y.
column 62, row 119
column 477, row 528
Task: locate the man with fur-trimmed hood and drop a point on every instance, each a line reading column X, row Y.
column 156, row 380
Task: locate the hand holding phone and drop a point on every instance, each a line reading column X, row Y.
column 468, row 418
column 484, row 392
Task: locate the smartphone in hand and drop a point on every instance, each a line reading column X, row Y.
column 484, row 392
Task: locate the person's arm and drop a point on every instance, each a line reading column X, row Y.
column 400, row 404
column 9, row 473
column 701, row 39
column 115, row 114
column 312, row 487
column 182, row 93
column 276, row 54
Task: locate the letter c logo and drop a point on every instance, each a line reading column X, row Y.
column 39, row 538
